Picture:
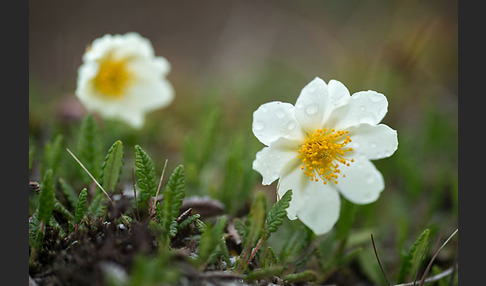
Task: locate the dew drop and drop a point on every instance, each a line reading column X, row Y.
column 291, row 126
column 280, row 113
column 311, row 109
column 258, row 126
column 370, row 179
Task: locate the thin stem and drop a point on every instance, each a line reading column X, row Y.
column 91, row 176
column 435, row 255
column 158, row 187
column 378, row 259
column 437, row 277
column 135, row 194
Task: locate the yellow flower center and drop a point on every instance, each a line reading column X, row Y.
column 322, row 152
column 112, row 78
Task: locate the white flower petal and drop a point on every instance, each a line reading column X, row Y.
column 275, row 120
column 321, row 210
column 338, row 93
column 270, row 161
column 312, row 105
column 293, row 178
column 363, row 107
column 373, row 141
column 143, row 88
column 363, row 182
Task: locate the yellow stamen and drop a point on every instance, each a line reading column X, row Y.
column 322, row 152
column 112, row 78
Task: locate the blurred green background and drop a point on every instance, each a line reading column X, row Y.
column 229, row 57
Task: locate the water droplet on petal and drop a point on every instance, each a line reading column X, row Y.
column 311, row 109
column 258, row 126
column 370, row 178
column 291, row 126
column 280, row 113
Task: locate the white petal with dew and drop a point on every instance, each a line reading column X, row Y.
column 270, row 161
column 275, row 120
column 321, row 209
column 373, row 141
column 312, row 104
column 363, row 107
column 363, row 182
column 338, row 93
column 292, row 178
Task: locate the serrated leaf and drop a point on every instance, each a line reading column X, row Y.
column 59, row 207
column 69, row 192
column 210, row 240
column 52, row 152
column 188, row 221
column 112, row 166
column 145, row 172
column 264, row 273
column 411, row 260
column 304, row 276
column 277, row 213
column 174, row 193
column 81, row 206
column 97, row 206
column 255, row 221
column 46, row 196
column 89, row 150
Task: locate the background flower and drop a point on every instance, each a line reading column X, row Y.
column 321, row 147
column 121, row 78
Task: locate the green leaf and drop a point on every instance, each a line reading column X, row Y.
column 174, row 193
column 188, row 221
column 304, row 276
column 97, row 205
column 145, row 172
column 46, row 196
column 210, row 240
column 346, row 219
column 81, row 206
column 411, row 260
column 277, row 213
column 52, row 152
column 58, row 206
column 69, row 192
column 89, row 150
column 255, row 221
column 264, row 273
column 112, row 166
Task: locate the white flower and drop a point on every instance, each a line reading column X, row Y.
column 322, row 147
column 121, row 78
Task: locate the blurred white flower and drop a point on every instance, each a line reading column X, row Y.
column 321, row 147
column 121, row 78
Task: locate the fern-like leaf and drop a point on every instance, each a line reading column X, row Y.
column 52, row 152
column 255, row 221
column 173, row 196
column 89, row 147
column 69, row 192
column 59, row 207
column 210, row 240
column 46, row 196
column 81, row 206
column 188, row 221
column 97, row 206
column 277, row 213
column 412, row 259
column 112, row 166
column 145, row 172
